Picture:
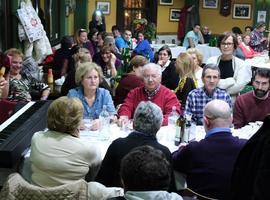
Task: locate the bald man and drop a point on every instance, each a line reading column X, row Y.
column 208, row 163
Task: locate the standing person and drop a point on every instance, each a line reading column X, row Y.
column 193, row 37
column 208, row 163
column 147, row 121
column 234, row 72
column 143, row 47
column 98, row 21
column 185, row 67
column 257, row 40
column 88, row 76
column 257, row 100
column 169, row 77
column 151, row 91
column 82, row 41
column 132, row 79
column 198, row 98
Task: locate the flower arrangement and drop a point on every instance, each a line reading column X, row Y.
column 149, row 29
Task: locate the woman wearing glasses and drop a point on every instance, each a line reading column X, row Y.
column 234, row 72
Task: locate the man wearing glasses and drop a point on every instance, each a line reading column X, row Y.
column 258, row 100
column 151, row 91
column 234, row 72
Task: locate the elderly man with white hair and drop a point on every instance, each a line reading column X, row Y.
column 208, row 163
column 151, row 91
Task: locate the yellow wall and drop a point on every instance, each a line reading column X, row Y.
column 109, row 19
column 209, row 17
column 163, row 13
column 219, row 24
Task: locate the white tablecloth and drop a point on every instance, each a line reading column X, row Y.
column 176, row 50
column 261, row 61
column 208, row 51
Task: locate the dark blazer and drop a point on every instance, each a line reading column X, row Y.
column 170, row 78
column 109, row 171
column 208, row 164
column 251, row 174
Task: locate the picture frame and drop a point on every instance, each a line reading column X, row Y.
column 242, row 11
column 212, row 4
column 175, row 14
column 166, row 2
column 261, row 16
column 104, row 6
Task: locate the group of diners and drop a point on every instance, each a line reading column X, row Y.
column 146, row 93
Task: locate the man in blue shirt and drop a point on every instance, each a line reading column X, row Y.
column 124, row 41
column 198, row 98
column 208, row 164
column 193, row 37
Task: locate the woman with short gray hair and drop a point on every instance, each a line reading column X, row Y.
column 147, row 121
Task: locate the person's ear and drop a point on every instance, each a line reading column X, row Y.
column 206, row 121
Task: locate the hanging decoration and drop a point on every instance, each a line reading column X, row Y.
column 225, row 7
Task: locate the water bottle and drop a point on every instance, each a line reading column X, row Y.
column 104, row 119
column 173, row 116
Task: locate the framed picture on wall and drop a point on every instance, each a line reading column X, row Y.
column 104, row 6
column 166, row 2
column 175, row 14
column 210, row 3
column 261, row 16
column 241, row 11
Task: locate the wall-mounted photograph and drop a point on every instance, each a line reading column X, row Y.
column 241, row 11
column 210, row 3
column 104, row 6
column 175, row 14
column 261, row 16
column 166, row 2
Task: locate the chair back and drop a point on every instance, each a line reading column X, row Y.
column 16, row 188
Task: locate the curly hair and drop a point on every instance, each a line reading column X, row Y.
column 145, row 169
column 84, row 68
column 65, row 115
column 198, row 54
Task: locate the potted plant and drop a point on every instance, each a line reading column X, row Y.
column 149, row 29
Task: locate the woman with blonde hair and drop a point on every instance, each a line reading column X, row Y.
column 198, row 61
column 58, row 155
column 88, row 76
column 185, row 67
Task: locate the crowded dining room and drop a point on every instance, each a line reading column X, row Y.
column 134, row 99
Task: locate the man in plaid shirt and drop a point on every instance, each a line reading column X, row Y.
column 198, row 98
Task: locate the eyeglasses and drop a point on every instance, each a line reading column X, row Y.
column 229, row 44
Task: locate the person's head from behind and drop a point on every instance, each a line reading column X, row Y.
column 217, row 114
column 261, row 83
column 151, row 76
column 88, row 75
column 147, row 118
column 136, row 64
column 185, row 65
column 109, row 41
column 16, row 60
column 81, row 36
column 116, row 31
column 227, row 43
column 196, row 55
column 210, row 77
column 65, row 115
column 145, row 169
column 236, row 30
column 67, row 42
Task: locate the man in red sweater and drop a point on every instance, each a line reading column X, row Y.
column 151, row 91
column 254, row 105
